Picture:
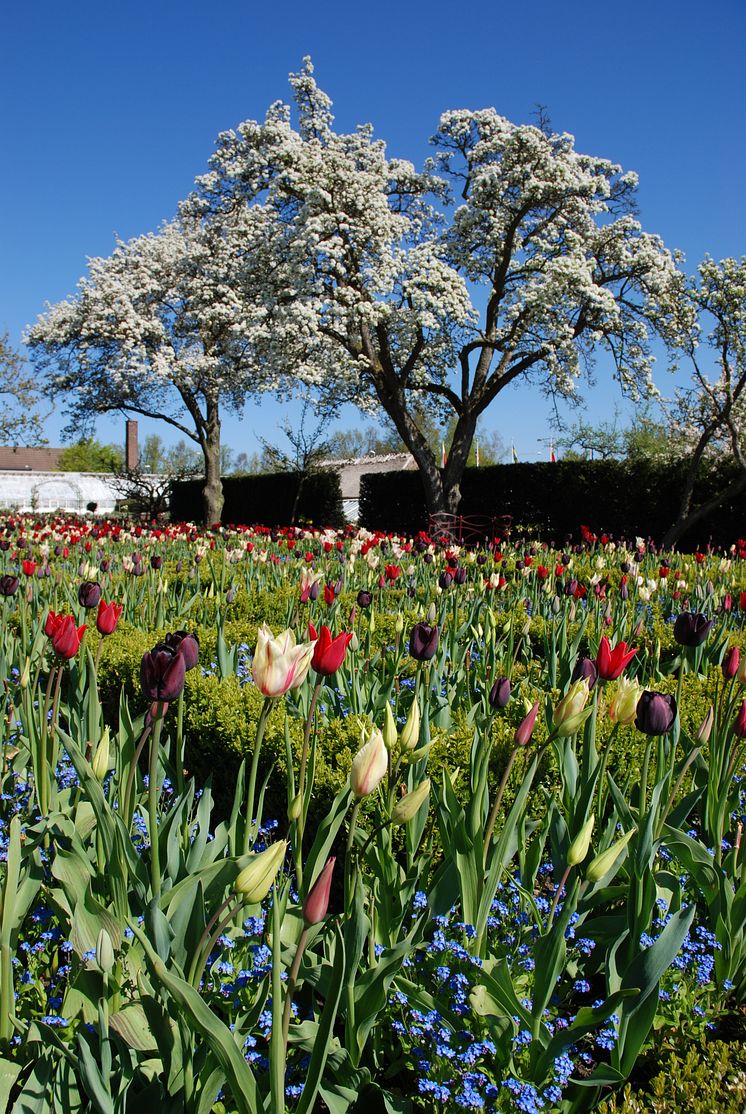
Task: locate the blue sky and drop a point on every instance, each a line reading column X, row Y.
column 110, row 111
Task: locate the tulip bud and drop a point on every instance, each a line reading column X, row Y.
column 423, row 641
column 372, row 623
column 407, row 808
column 525, row 729
column 705, row 728
column 500, row 693
column 100, row 763
column 731, row 663
column 603, row 863
column 369, row 766
column 399, row 624
column 294, row 808
column 104, row 952
column 390, row 733
column 623, row 706
column 579, row 846
column 354, row 643
column 410, row 736
column 254, row 882
column 431, row 613
column 25, row 679
column 571, row 713
column 317, row 900
column 656, row 713
column 739, row 725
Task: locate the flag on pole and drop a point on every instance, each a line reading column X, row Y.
column 552, row 457
column 591, row 454
column 443, row 456
column 477, row 454
column 514, row 454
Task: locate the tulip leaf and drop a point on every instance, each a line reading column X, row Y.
column 325, row 1031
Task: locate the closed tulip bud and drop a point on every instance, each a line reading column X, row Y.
column 100, row 763
column 445, row 580
column 25, row 680
column 739, row 725
column 692, row 629
column 8, row 585
column 410, row 736
column 408, row 806
column 525, row 729
column 656, row 713
column 390, row 733
column 423, row 641
column 317, row 901
column 254, row 882
column 354, row 642
column 500, row 693
column 579, row 846
column 184, row 643
column 370, row 765
column 89, row 594
column 162, row 674
column 431, row 613
column 623, row 705
column 705, row 728
column 599, row 867
column 585, row 668
column 295, row 806
column 731, row 663
column 104, row 952
column 372, row 622
column 460, row 575
column 571, row 712
column 399, row 624
column 364, row 599
column 556, row 605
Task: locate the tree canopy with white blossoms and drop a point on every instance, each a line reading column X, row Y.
column 510, row 257
column 160, row 329
column 706, row 323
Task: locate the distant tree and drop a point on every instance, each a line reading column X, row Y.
column 646, row 438
column 20, row 420
column 306, row 450
column 348, row 444
column 88, row 455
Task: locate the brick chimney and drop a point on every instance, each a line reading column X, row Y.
column 131, row 455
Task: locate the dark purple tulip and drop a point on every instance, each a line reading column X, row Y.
column 571, row 587
column 8, row 585
column 452, row 562
column 500, row 693
column 105, row 565
column 137, row 570
column 481, row 558
column 585, row 668
column 423, row 641
column 691, row 629
column 445, row 580
column 656, row 713
column 184, row 643
column 58, row 550
column 156, row 561
column 460, row 576
column 427, row 558
column 364, row 598
column 230, row 595
column 179, row 565
column 624, row 592
column 162, row 674
column 313, row 593
column 89, row 594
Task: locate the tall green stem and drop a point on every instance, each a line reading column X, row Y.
column 155, row 744
column 251, row 794
column 300, row 823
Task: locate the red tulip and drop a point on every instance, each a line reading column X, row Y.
column 66, row 636
column 328, row 652
column 107, row 617
column 29, row 567
column 611, row 663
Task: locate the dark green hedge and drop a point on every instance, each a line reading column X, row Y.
column 266, row 500
column 620, row 498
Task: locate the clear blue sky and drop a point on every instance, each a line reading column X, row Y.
column 111, row 110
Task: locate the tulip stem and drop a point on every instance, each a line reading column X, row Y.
column 349, row 888
column 42, row 792
column 201, row 951
column 131, row 775
column 155, row 743
column 260, row 728
column 179, row 745
column 300, row 822
column 557, row 895
column 498, row 801
column 290, row 986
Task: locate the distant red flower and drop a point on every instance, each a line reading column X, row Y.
column 29, row 567
column 329, row 595
column 328, row 653
column 393, row 572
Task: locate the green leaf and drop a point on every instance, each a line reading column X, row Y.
column 9, row 1073
column 323, row 1040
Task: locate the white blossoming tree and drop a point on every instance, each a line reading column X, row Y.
column 706, row 322
column 509, row 258
column 20, row 420
column 160, row 329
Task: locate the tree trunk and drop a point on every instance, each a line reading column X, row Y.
column 212, row 492
column 685, row 521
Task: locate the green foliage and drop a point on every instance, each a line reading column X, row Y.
column 89, row 455
column 268, row 499
column 705, row 1077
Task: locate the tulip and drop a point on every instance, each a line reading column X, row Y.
column 156, row 561
column 739, row 725
column 162, row 674
column 185, row 643
column 460, row 575
column 389, row 728
column 445, row 580
column 279, row 665
column 317, row 900
column 369, row 766
column 571, row 712
column 705, row 728
column 585, row 668
column 328, row 652
column 100, row 762
column 692, row 629
column 29, row 567
column 410, row 736
column 500, row 693
column 731, row 663
column 8, row 585
column 423, row 641
column 579, row 847
column 599, row 867
column 89, row 594
column 364, row 599
column 66, row 637
column 107, row 617
column 525, row 729
column 611, row 662
column 407, row 808
column 255, row 880
column 656, row 713
column 623, row 706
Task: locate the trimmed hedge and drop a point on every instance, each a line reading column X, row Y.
column 620, row 498
column 266, row 500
